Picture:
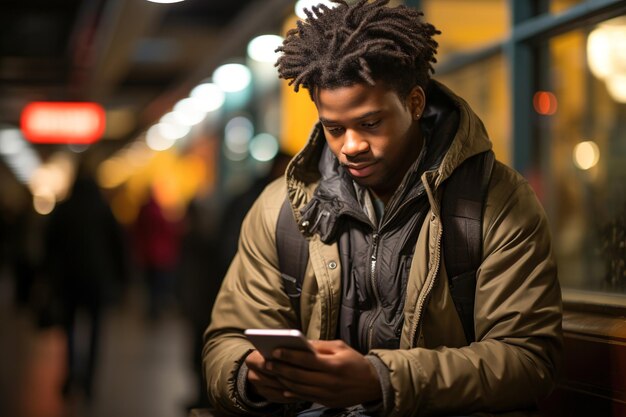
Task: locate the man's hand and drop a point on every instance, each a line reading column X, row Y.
column 335, row 376
column 263, row 382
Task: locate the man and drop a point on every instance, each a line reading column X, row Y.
column 366, row 192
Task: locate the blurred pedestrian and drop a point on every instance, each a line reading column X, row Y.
column 86, row 263
column 157, row 240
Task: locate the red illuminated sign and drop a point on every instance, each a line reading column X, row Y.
column 63, row 122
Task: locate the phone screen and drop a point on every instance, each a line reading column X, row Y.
column 267, row 340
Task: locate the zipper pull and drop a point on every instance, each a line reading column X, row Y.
column 375, row 237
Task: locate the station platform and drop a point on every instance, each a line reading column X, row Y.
column 144, row 368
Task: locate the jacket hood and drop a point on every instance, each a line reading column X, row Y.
column 471, row 137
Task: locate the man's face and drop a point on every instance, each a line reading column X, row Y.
column 375, row 136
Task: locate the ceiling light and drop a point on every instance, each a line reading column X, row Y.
column 156, row 141
column 210, row 96
column 19, row 155
column 232, row 77
column 189, row 111
column 165, row 1
column 262, row 48
column 172, row 131
column 307, row 4
column 11, row 141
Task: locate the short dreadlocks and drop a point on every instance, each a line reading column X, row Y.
column 363, row 42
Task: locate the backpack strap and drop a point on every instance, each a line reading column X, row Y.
column 462, row 213
column 293, row 255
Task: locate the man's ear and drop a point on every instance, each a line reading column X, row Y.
column 416, row 102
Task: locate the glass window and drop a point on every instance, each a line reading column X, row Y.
column 484, row 86
column 557, row 6
column 466, row 25
column 580, row 111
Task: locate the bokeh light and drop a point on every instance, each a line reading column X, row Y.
column 263, row 147
column 307, row 4
column 237, row 135
column 586, row 155
column 263, row 48
column 210, row 96
column 232, row 77
column 545, row 103
column 156, row 141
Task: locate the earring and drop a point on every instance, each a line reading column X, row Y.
column 417, row 116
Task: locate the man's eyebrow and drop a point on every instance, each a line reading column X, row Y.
column 361, row 117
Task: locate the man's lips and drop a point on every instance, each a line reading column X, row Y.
column 360, row 170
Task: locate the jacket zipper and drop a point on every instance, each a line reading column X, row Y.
column 425, row 294
column 376, row 240
column 329, row 313
column 373, row 258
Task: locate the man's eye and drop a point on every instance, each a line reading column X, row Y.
column 371, row 125
column 334, row 130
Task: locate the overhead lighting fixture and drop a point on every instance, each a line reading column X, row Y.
column 308, row 4
column 262, row 48
column 209, row 95
column 18, row 154
column 156, row 141
column 232, row 77
column 11, row 141
column 188, row 111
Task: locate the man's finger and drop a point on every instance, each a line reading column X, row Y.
column 259, row 379
column 295, row 358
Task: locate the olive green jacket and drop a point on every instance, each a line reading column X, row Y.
column 516, row 358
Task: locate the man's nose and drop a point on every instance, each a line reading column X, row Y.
column 354, row 143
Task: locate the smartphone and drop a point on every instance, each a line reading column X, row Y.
column 266, row 340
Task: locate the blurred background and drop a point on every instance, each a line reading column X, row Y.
column 134, row 135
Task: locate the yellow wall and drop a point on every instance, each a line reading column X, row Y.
column 298, row 114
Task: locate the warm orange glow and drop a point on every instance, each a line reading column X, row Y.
column 490, row 22
column 63, row 122
column 125, row 207
column 545, row 103
column 173, row 179
column 298, row 116
column 298, row 113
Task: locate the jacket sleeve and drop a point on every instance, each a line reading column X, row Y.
column 517, row 313
column 250, row 297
